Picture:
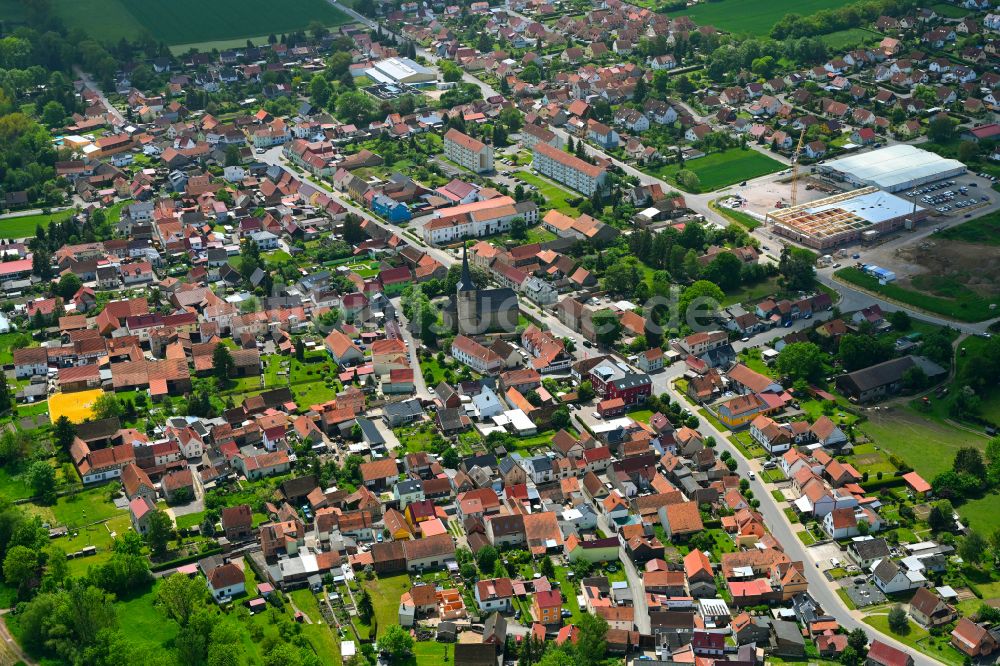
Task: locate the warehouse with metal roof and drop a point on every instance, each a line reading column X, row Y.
column 401, row 70
column 893, row 169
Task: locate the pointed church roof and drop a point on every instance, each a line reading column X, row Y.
column 466, row 283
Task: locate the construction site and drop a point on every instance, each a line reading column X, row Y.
column 849, row 217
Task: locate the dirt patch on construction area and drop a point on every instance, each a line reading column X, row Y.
column 935, row 265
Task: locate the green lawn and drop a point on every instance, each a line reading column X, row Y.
column 555, row 195
column 918, row 639
column 983, row 230
column 385, row 592
column 641, row 415
column 109, row 20
column 13, row 485
column 24, row 226
column 949, row 11
column 850, row 38
column 88, row 506
column 567, row 587
column 949, row 298
column 752, row 293
column 926, row 445
column 718, row 170
column 737, row 216
column 981, row 514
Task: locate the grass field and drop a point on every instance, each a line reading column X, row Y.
column 983, row 230
column 555, row 195
column 751, row 16
column 737, row 216
column 852, row 37
column 927, row 446
column 956, row 301
column 385, row 592
column 981, row 514
column 918, row 639
column 718, row 170
column 109, row 20
column 24, row 226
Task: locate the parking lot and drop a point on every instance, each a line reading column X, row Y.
column 948, row 196
column 863, row 594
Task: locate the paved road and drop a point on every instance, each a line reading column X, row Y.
column 89, row 83
column 819, row 587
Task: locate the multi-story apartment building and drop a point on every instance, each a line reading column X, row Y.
column 568, row 169
column 465, row 151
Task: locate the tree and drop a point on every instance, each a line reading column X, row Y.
column 688, row 180
column 969, row 460
column 940, row 516
column 160, row 532
column 993, row 459
column 6, row 402
column 546, row 568
column 222, row 363
column 319, row 91
column 365, row 607
column 850, row 657
column 585, row 391
column 180, row 597
column 486, row 558
column 798, row 268
column 898, row 624
column 355, row 107
column 106, row 406
column 607, row 326
column 623, row 277
column 592, row 645
column 68, row 285
column 701, row 299
column 560, row 418
column 941, row 129
column 558, row 656
column 42, row 479
column 518, row 228
column 973, row 547
column 53, row 114
column 395, row 641
column 858, row 640
column 801, row 361
column 353, row 233
column 41, row 264
column 725, row 270
column 900, row 320
column 20, row 566
column 861, row 351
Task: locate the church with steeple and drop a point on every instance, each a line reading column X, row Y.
column 475, row 311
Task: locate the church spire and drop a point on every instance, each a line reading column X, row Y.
column 465, row 284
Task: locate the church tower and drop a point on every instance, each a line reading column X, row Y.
column 466, row 298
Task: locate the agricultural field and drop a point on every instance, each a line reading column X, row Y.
column 110, row 20
column 718, row 170
column 751, row 17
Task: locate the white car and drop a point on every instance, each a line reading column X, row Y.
column 596, row 415
column 751, row 475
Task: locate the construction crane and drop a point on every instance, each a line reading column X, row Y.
column 795, row 168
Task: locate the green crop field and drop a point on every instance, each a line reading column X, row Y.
column 718, row 170
column 751, row 16
column 191, row 22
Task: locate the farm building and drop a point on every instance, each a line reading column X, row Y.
column 844, row 218
column 893, row 169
